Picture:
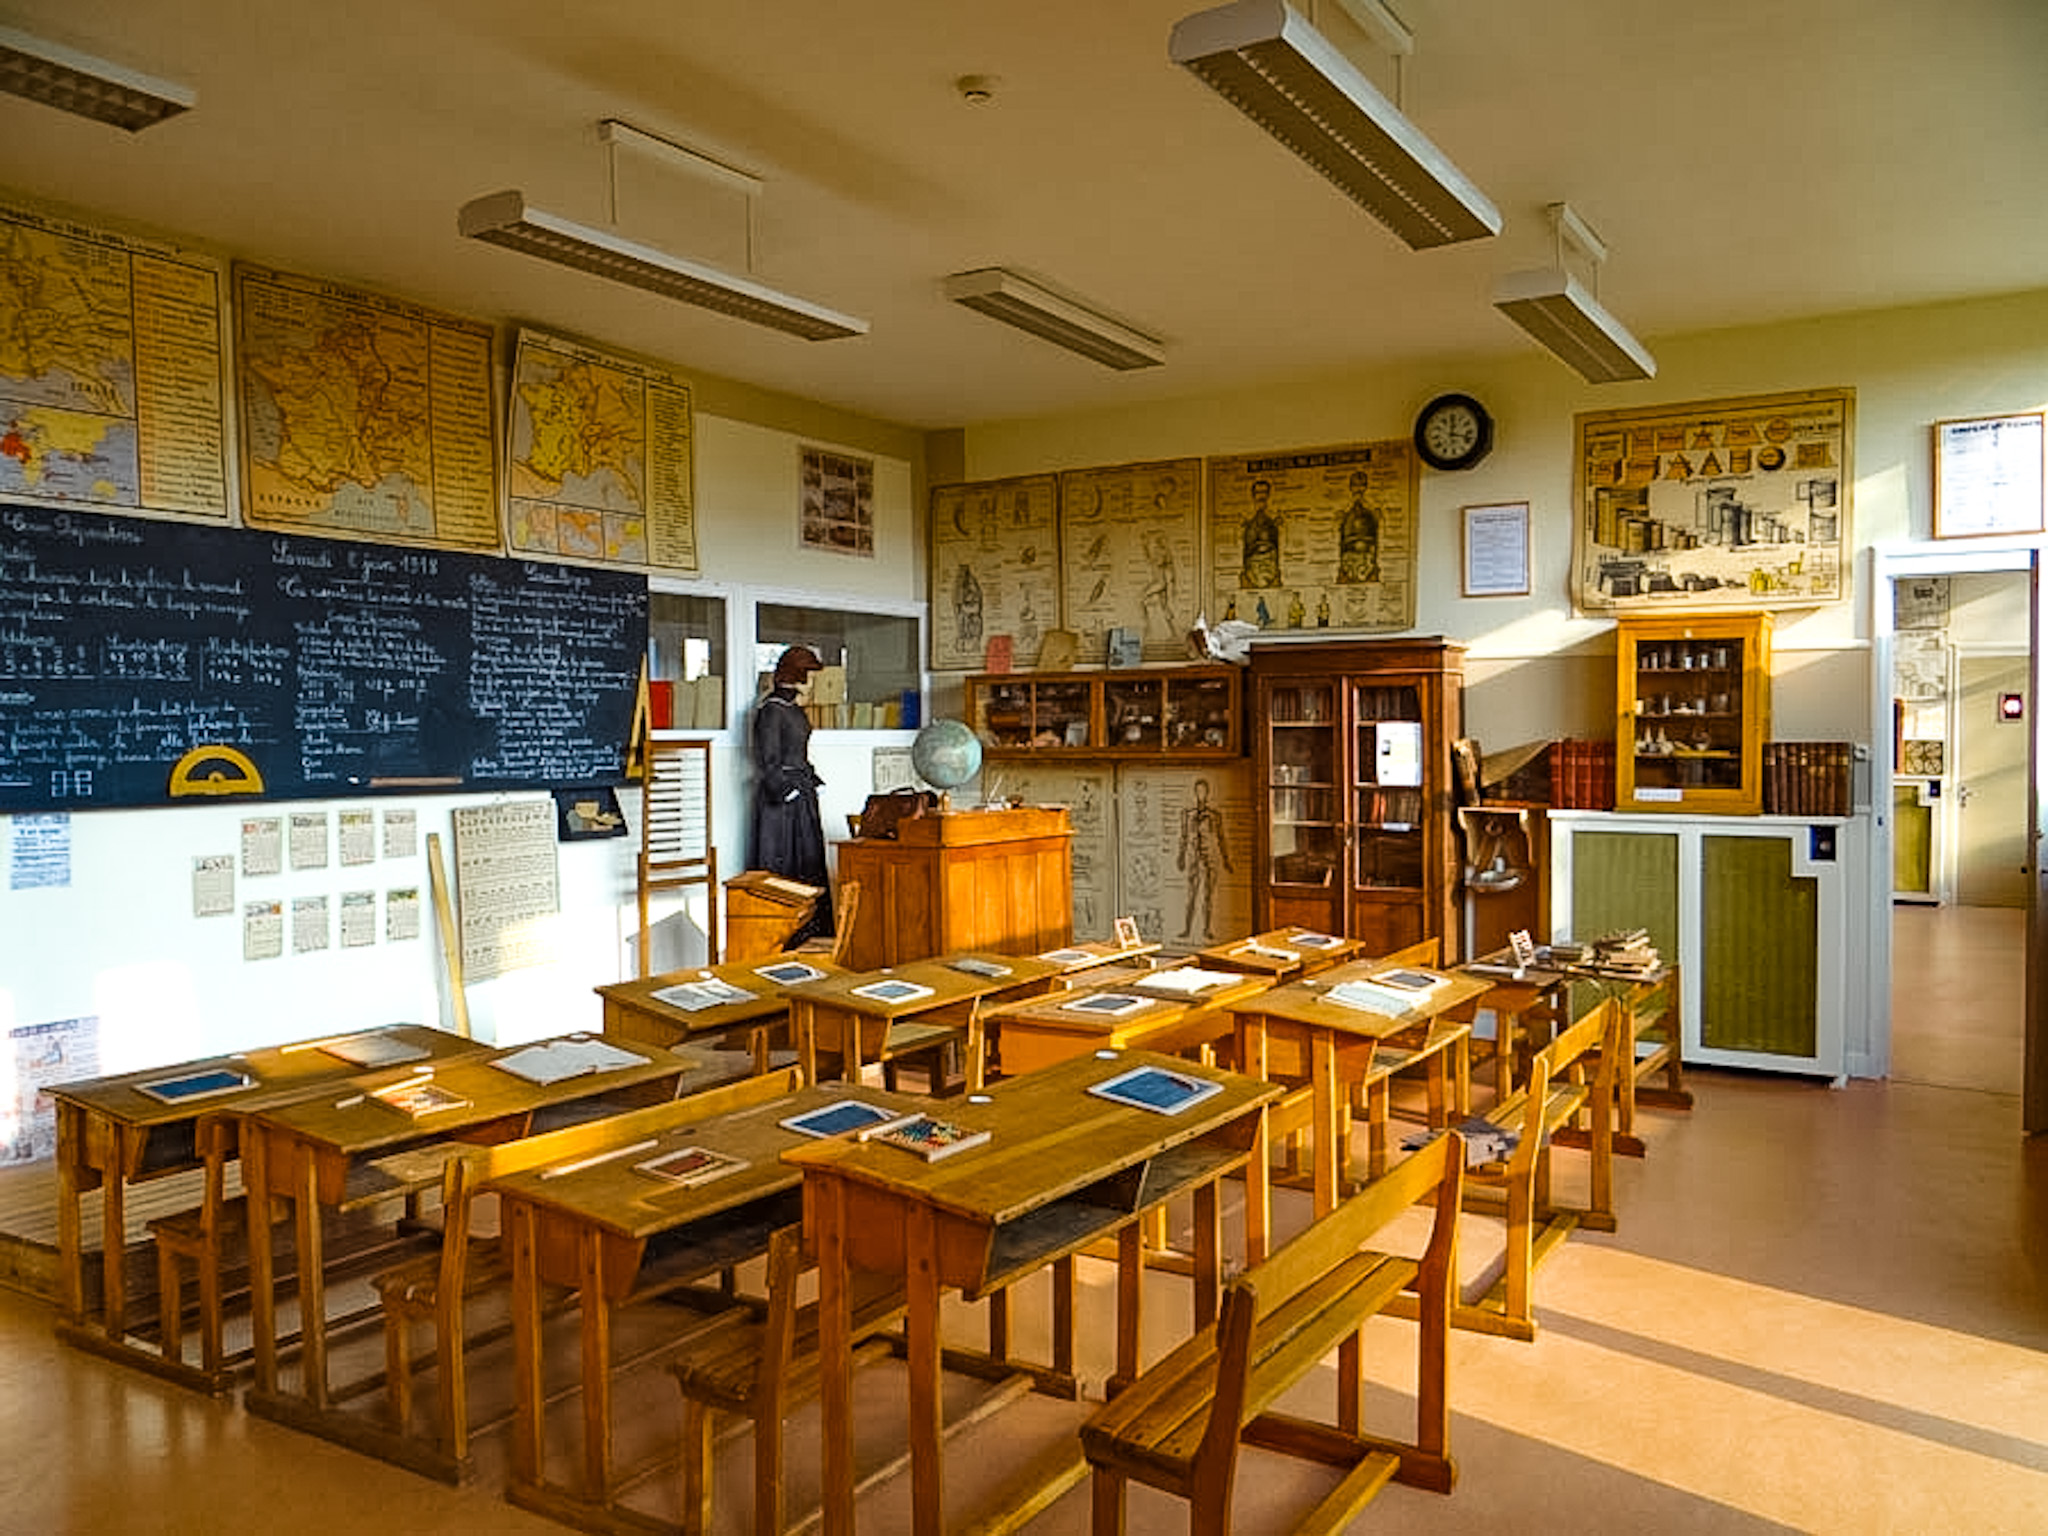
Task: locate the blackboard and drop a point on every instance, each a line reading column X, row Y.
column 334, row 668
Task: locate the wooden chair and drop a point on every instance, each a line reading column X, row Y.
column 435, row 1288
column 204, row 1238
column 845, row 909
column 1571, row 1076
column 1179, row 1426
column 760, row 1367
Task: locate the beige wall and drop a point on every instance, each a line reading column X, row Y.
column 1535, row 669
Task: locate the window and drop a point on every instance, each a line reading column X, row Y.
column 686, row 661
column 877, row 685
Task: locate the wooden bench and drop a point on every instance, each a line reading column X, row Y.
column 758, row 1367
column 1571, row 1078
column 436, row 1287
column 1179, row 1426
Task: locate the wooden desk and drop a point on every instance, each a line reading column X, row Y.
column 110, row 1135
column 317, row 1155
column 1037, row 1032
column 762, row 910
column 613, row 1234
column 1064, row 1168
column 962, row 880
column 833, row 1015
column 1527, row 1003
column 634, row 1010
column 1332, row 1044
column 1282, row 954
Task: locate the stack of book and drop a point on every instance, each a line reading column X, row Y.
column 1807, row 778
column 1582, row 775
column 1626, row 952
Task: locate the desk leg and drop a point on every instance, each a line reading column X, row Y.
column 1063, row 1293
column 529, row 1392
column 975, row 1069
column 1330, row 1158
column 1207, row 1278
column 804, row 1017
column 312, row 1279
column 835, row 1355
column 1258, row 1171
column 921, row 1328
column 597, row 1363
column 71, row 1143
column 114, row 1251
column 1130, row 1309
column 262, row 1256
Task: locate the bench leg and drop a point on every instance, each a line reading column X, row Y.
column 1106, row 1503
column 697, row 1448
column 767, row 1463
column 398, row 1367
column 170, row 1297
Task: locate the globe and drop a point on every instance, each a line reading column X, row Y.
column 946, row 754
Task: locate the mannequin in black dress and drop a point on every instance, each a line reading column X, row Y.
column 788, row 833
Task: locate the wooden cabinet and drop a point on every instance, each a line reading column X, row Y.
column 1353, row 830
column 1138, row 712
column 1693, row 701
column 1000, row 880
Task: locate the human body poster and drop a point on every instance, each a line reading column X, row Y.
column 1738, row 503
column 1314, row 538
column 995, row 569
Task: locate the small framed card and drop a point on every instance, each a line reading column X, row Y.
column 930, row 1138
column 1127, row 935
column 195, row 1085
column 787, row 973
column 837, row 1118
column 1156, row 1089
column 691, row 1165
column 1108, row 1005
column 893, row 990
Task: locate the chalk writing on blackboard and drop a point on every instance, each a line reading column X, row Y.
column 334, row 668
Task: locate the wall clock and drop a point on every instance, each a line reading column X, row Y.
column 1453, row 432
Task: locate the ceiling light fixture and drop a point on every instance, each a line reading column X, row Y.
column 507, row 219
column 1017, row 300
column 1268, row 62
column 85, row 86
column 1566, row 316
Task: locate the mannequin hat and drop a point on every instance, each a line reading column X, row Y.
column 796, row 664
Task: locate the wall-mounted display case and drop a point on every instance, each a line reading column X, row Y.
column 1156, row 712
column 1694, row 702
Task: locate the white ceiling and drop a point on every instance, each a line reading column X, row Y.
column 1747, row 161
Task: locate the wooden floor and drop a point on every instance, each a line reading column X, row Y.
column 1958, row 983
column 1825, row 1310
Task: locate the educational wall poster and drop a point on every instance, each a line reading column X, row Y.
column 1131, row 538
column 1920, row 602
column 213, row 884
column 113, row 373
column 262, row 929
column 995, row 569
column 262, row 845
column 39, row 852
column 1738, row 503
column 401, row 834
column 401, row 914
column 310, row 927
column 363, row 415
column 356, row 833
column 837, row 511
column 507, row 885
column 358, row 919
column 600, row 457
column 1314, row 538
column 37, row 1055
column 1089, row 794
column 309, row 839
column 1185, row 834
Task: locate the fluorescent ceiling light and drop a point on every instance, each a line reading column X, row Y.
column 85, row 86
column 1288, row 78
column 1554, row 307
column 507, row 219
column 1015, row 300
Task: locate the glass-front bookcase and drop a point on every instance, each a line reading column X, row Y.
column 1694, row 703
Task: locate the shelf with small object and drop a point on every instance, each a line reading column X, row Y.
column 1693, row 697
column 1127, row 712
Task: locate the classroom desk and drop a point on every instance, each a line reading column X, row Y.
column 613, row 1234
column 1063, row 1169
column 832, row 1015
column 111, row 1135
column 1333, row 1044
column 635, row 1010
column 319, row 1155
column 1036, row 1032
column 1282, row 954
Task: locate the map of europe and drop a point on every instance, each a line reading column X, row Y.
column 77, row 309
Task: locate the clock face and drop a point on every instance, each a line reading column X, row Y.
column 1453, row 432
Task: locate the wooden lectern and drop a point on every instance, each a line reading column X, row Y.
column 762, row 911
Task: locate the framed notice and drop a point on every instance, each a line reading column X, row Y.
column 1988, row 475
column 1314, row 538
column 1497, row 550
column 1712, row 504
